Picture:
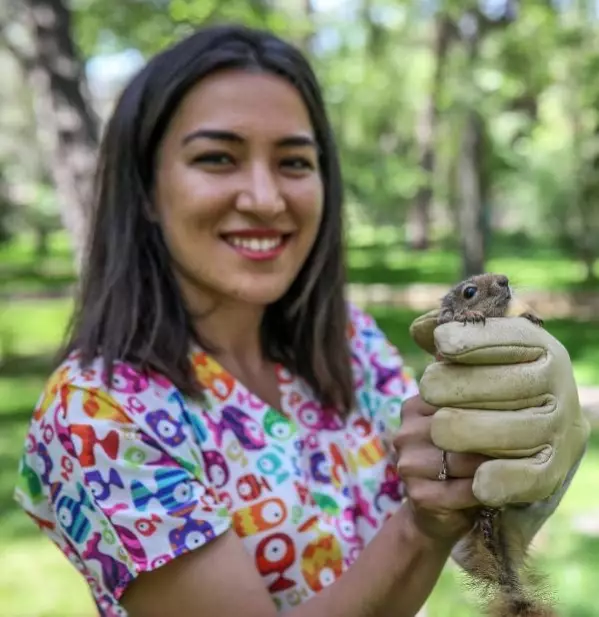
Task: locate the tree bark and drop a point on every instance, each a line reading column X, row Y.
column 67, row 123
column 471, row 205
column 471, row 212
column 418, row 227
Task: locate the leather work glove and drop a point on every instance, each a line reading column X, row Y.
column 505, row 389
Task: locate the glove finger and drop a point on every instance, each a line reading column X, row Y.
column 506, row 340
column 494, row 433
column 422, row 331
column 525, row 480
column 452, row 385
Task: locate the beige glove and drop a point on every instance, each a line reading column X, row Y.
column 506, row 390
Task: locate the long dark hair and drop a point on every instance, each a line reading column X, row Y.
column 129, row 307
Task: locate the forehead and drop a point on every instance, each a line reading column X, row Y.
column 253, row 104
column 480, row 279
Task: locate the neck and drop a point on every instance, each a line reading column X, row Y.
column 234, row 332
column 231, row 329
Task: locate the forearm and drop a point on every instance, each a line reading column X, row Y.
column 393, row 576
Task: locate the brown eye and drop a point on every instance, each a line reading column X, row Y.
column 469, row 292
column 297, row 163
column 214, row 159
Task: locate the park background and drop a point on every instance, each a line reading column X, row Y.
column 469, row 136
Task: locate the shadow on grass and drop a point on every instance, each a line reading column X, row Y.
column 39, row 365
column 580, row 338
column 36, row 279
column 377, row 274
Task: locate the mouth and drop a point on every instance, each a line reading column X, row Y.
column 258, row 247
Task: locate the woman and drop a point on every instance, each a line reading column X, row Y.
column 211, row 442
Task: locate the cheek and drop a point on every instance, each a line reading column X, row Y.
column 188, row 204
column 308, row 203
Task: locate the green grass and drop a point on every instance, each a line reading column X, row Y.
column 36, row 581
column 22, row 272
column 394, row 265
column 374, row 256
column 379, row 256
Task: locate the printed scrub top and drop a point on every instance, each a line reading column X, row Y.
column 126, row 479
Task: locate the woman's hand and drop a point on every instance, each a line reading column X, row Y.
column 506, row 389
column 444, row 510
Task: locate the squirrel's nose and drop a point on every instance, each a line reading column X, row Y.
column 503, row 281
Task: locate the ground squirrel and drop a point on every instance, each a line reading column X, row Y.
column 493, row 563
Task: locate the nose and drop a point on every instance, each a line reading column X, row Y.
column 503, row 281
column 261, row 193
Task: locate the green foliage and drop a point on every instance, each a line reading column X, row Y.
column 532, row 82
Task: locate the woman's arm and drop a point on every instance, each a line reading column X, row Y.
column 393, row 576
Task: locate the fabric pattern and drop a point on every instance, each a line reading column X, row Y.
column 126, row 479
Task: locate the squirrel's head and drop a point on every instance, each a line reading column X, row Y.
column 488, row 293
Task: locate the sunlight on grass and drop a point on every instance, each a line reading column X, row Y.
column 31, row 326
column 44, row 586
column 396, row 266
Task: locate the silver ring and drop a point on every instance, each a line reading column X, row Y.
column 443, row 473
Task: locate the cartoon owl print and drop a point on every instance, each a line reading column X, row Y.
column 303, row 487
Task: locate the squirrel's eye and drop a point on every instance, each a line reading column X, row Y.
column 469, row 292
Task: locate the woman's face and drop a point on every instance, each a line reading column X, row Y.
column 238, row 189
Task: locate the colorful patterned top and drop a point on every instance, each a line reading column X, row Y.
column 124, row 480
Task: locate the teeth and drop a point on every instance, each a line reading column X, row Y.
column 255, row 244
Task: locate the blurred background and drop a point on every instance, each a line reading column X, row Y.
column 469, row 135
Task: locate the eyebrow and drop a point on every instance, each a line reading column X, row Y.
column 220, row 135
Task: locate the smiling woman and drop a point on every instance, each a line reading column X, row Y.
column 239, row 195
column 211, row 442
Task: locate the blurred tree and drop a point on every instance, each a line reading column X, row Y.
column 578, row 217
column 7, row 212
column 418, row 224
column 66, row 121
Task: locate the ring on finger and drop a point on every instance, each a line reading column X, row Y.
column 443, row 474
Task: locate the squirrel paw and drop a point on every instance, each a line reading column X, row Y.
column 533, row 318
column 470, row 317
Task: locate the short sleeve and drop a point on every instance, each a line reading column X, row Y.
column 383, row 382
column 117, row 481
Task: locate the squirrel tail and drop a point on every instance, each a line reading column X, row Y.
column 508, row 589
column 510, row 606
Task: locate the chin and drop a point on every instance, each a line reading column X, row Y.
column 261, row 294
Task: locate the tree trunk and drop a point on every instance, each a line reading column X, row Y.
column 470, row 172
column 64, row 113
column 418, row 227
column 589, row 266
column 471, row 208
